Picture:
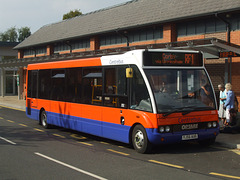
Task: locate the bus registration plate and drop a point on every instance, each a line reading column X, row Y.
column 189, row 136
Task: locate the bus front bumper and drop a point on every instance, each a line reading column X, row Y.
column 168, row 138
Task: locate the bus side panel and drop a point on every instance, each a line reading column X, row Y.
column 92, row 119
column 78, row 117
column 112, row 127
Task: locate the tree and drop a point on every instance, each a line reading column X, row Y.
column 4, row 37
column 10, row 35
column 14, row 35
column 23, row 33
column 72, row 14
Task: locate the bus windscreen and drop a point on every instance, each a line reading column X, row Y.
column 172, row 59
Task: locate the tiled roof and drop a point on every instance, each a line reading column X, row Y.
column 128, row 15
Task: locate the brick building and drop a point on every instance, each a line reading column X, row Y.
column 211, row 26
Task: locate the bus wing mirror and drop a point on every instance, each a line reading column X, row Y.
column 129, row 73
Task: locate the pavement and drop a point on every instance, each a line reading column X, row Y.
column 227, row 138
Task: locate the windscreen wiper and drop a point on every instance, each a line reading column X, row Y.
column 179, row 110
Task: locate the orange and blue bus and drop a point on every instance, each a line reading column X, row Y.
column 141, row 97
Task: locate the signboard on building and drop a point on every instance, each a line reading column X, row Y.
column 228, row 54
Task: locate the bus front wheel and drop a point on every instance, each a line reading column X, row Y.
column 140, row 140
column 43, row 119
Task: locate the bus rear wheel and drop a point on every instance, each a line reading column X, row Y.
column 43, row 119
column 140, row 140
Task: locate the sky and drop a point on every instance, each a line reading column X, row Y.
column 37, row 13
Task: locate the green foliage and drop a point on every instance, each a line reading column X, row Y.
column 14, row 35
column 23, row 33
column 72, row 14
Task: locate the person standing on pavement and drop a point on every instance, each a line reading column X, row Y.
column 222, row 98
column 229, row 104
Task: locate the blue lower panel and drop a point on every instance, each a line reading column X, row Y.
column 107, row 130
column 33, row 114
column 116, row 132
column 155, row 137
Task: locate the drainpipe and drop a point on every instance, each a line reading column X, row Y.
column 228, row 27
column 124, row 35
column 70, row 46
column 229, row 41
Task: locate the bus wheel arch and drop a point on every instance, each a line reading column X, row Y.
column 139, row 140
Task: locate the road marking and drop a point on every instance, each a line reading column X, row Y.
column 8, row 141
column 12, row 108
column 58, row 135
column 10, row 121
column 118, row 152
column 88, row 144
column 166, row 164
column 77, row 137
column 224, row 175
column 71, row 167
column 104, row 142
column 235, row 151
column 38, row 130
column 24, row 125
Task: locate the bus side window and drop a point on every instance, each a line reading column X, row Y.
column 29, row 85
column 140, row 98
column 34, row 84
column 44, row 84
column 58, row 84
column 115, row 87
column 73, row 84
column 92, row 86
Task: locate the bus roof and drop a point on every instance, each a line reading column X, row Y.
column 130, row 57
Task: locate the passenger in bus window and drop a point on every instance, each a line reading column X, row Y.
column 205, row 92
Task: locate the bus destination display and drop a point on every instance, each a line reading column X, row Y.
column 172, row 59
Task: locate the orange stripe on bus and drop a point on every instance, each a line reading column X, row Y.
column 66, row 64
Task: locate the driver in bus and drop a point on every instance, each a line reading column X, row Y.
column 163, row 88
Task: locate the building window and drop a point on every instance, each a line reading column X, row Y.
column 211, row 25
column 41, row 50
column 112, row 39
column 144, row 34
column 35, row 50
column 235, row 22
column 81, row 44
column 29, row 52
column 74, row 45
column 204, row 26
column 61, row 47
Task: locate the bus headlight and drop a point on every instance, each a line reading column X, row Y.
column 167, row 129
column 214, row 124
column 209, row 125
column 161, row 129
